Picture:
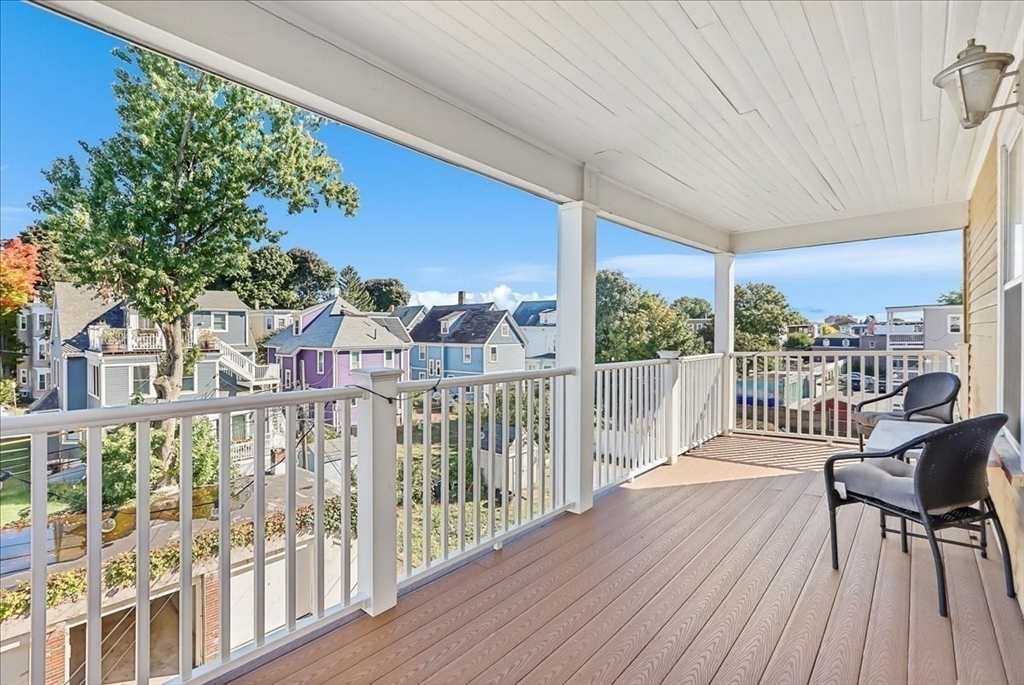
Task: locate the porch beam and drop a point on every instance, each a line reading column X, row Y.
column 946, row 216
column 248, row 44
column 577, row 318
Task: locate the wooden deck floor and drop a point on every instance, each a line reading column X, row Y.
column 714, row 570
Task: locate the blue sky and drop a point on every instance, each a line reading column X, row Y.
column 438, row 228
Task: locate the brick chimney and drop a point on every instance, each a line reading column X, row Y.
column 462, row 297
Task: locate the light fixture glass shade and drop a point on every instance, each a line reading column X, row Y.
column 973, row 81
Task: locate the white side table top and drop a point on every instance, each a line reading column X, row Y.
column 890, row 434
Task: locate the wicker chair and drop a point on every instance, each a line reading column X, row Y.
column 930, row 397
column 940, row 491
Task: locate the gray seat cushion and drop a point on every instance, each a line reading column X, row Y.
column 885, row 479
column 867, row 420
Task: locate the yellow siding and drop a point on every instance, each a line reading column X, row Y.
column 980, row 297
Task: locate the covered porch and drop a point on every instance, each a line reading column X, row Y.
column 731, row 128
column 712, row 570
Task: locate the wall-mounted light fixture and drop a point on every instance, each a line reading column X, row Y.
column 972, row 82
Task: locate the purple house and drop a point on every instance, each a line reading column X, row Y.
column 328, row 341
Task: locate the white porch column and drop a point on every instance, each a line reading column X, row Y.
column 376, row 460
column 577, row 318
column 725, row 333
column 670, row 405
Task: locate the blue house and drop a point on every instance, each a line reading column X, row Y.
column 465, row 340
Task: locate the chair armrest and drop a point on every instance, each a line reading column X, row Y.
column 886, row 396
column 830, row 463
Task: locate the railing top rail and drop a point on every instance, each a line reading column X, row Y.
column 108, row 416
column 701, row 357
column 845, row 351
column 631, row 365
column 483, row 379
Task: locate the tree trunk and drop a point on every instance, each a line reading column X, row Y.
column 167, row 385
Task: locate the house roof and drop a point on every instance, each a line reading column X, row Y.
column 528, row 312
column 339, row 326
column 221, row 300
column 77, row 308
column 407, row 313
column 474, row 327
column 48, row 402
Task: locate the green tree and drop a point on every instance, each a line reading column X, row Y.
column 651, row 327
column 955, row 296
column 353, row 290
column 762, row 314
column 8, row 392
column 264, row 279
column 616, row 296
column 311, row 277
column 387, row 293
column 51, row 263
column 693, row 307
column 164, row 205
column 798, row 341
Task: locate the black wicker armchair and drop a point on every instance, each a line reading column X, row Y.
column 946, row 488
column 930, row 397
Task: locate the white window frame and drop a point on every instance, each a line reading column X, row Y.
column 389, row 358
column 93, row 380
column 355, row 359
column 320, row 361
column 40, row 355
column 131, row 379
column 297, row 327
column 280, row 322
column 421, row 376
column 194, row 376
column 287, row 379
column 467, row 354
column 42, row 381
column 22, row 322
column 505, row 330
column 1010, row 134
column 269, row 322
column 444, row 328
column 422, row 349
column 23, row 377
column 493, row 354
column 959, row 324
column 213, row 322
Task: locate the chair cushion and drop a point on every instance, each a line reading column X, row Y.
column 866, row 421
column 885, row 479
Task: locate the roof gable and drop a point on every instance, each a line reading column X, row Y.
column 528, row 312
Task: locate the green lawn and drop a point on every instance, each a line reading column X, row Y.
column 14, row 497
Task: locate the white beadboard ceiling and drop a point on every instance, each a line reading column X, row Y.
column 743, row 116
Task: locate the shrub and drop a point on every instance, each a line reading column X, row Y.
column 8, row 392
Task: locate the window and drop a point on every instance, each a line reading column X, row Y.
column 22, row 322
column 494, row 354
column 1012, row 315
column 422, row 352
column 42, row 380
column 320, row 361
column 826, row 342
column 287, row 379
column 421, row 375
column 355, row 359
column 188, row 382
column 389, row 358
column 270, row 323
column 504, row 330
column 41, row 350
column 239, row 427
column 219, row 321
column 296, row 327
column 467, row 355
column 953, row 323
column 444, row 328
column 142, row 380
column 94, row 380
column 280, row 322
column 23, row 376
column 871, row 345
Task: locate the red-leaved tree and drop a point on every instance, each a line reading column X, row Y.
column 19, row 273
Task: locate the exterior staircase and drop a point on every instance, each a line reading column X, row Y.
column 246, row 370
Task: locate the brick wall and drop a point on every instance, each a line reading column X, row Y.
column 211, row 619
column 57, row 655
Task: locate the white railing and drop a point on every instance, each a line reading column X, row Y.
column 480, row 457
column 699, row 404
column 814, row 393
column 901, row 341
column 630, row 419
column 244, row 367
column 287, row 527
column 105, row 339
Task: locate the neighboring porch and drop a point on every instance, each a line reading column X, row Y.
column 714, row 569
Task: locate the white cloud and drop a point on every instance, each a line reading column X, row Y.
column 503, row 296
column 939, row 253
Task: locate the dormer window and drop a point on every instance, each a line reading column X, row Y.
column 444, row 328
column 296, row 327
column 504, row 330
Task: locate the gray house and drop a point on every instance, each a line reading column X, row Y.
column 33, row 371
